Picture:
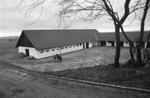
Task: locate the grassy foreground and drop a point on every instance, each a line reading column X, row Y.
column 133, row 77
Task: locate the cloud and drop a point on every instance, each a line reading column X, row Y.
column 12, row 18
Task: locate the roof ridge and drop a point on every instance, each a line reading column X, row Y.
column 55, row 29
column 33, row 43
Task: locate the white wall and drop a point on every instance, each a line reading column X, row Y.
column 125, row 44
column 114, row 43
column 32, row 51
column 95, row 44
column 90, row 44
column 108, row 43
column 38, row 54
column 72, row 49
column 145, row 45
column 59, row 51
column 21, row 49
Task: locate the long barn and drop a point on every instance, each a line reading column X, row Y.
column 108, row 38
column 44, row 43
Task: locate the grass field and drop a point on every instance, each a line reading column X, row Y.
column 125, row 76
column 87, row 64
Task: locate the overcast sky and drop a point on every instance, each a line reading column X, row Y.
column 13, row 20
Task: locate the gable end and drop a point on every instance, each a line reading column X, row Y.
column 24, row 41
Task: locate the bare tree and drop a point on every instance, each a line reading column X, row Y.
column 131, row 47
column 90, row 10
column 140, row 39
column 138, row 61
column 29, row 7
column 98, row 8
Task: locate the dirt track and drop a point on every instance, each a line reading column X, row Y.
column 24, row 85
column 15, row 84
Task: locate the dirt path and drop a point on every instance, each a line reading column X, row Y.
column 24, row 85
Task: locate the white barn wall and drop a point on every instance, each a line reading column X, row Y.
column 108, row 43
column 95, row 44
column 51, row 53
column 125, row 44
column 145, row 45
column 46, row 54
column 72, row 49
column 114, row 43
column 84, row 45
column 32, row 51
column 38, row 54
column 90, row 44
column 21, row 49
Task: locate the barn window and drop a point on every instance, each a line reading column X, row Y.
column 70, row 46
column 62, row 47
column 103, row 43
column 41, row 51
column 80, row 44
column 53, row 49
column 57, row 48
column 121, row 43
column 148, row 45
column 77, row 45
column 66, row 47
column 109, row 41
column 47, row 50
column 143, row 44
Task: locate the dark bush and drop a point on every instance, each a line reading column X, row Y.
column 22, row 55
column 30, row 58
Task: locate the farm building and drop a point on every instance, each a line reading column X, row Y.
column 108, row 38
column 44, row 43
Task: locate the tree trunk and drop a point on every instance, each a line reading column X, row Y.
column 139, row 45
column 131, row 46
column 139, row 58
column 117, row 56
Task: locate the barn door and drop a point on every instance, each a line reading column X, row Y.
column 121, row 43
column 83, row 46
column 87, row 45
column 112, row 43
column 27, row 52
column 148, row 45
column 103, row 43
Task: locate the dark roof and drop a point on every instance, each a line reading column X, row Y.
column 42, row 39
column 133, row 35
column 24, row 41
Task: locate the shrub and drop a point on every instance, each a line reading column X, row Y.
column 22, row 55
column 30, row 58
